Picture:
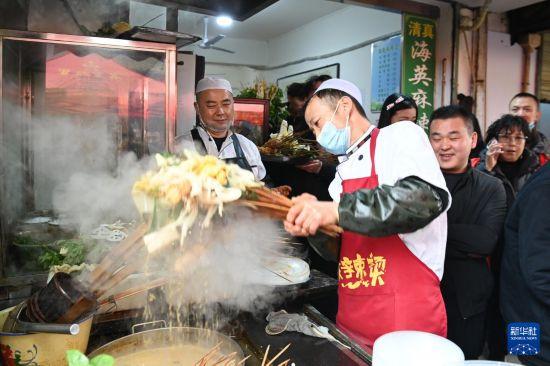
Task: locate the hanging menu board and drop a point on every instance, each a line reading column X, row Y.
column 385, row 71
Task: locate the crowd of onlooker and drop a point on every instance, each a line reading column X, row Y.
column 497, row 264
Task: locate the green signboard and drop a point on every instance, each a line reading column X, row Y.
column 418, row 76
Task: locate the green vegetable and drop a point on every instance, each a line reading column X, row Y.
column 71, row 251
column 102, row 360
column 50, row 258
column 76, row 358
column 75, row 250
column 23, row 240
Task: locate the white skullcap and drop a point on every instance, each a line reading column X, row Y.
column 208, row 83
column 342, row 85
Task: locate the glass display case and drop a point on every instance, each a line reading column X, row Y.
column 70, row 104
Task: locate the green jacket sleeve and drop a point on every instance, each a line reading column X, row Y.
column 405, row 207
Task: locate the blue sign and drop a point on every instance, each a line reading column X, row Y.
column 523, row 339
column 385, row 71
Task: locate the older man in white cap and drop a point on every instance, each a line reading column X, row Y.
column 390, row 198
column 215, row 109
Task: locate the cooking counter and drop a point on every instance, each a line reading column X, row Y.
column 304, row 350
column 249, row 330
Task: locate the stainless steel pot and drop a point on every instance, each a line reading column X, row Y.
column 156, row 340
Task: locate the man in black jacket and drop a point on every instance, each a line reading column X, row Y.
column 527, row 106
column 475, row 221
column 525, row 279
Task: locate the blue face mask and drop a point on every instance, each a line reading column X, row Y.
column 532, row 125
column 332, row 139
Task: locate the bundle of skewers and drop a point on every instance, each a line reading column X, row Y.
column 212, row 358
column 270, row 203
column 287, row 144
column 193, row 189
column 127, row 258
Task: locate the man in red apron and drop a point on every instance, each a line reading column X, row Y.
column 390, row 197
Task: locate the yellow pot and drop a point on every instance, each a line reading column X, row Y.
column 41, row 349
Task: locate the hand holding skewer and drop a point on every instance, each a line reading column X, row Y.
column 278, row 206
column 307, row 215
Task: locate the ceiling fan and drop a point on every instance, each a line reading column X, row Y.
column 208, row 44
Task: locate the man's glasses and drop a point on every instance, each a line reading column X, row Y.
column 508, row 138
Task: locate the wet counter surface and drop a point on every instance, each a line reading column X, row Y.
column 303, row 350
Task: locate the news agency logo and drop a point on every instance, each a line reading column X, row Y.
column 523, row 339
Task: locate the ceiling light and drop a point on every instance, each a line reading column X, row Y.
column 224, row 21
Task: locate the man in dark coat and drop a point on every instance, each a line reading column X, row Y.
column 525, row 278
column 475, row 222
column 527, row 106
column 509, row 159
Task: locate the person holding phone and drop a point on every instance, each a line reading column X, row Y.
column 508, row 158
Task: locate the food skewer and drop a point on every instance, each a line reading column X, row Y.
column 265, row 355
column 278, row 355
column 241, row 362
column 263, row 205
column 117, row 277
column 135, row 290
column 105, row 267
column 330, row 230
column 269, row 199
column 204, row 359
column 226, row 358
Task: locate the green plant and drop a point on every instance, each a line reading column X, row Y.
column 277, row 108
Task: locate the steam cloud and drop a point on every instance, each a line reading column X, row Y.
column 78, row 174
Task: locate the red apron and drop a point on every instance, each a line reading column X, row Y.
column 382, row 285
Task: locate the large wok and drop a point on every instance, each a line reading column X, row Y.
column 156, row 343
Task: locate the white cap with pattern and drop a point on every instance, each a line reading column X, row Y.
column 342, row 85
column 209, row 83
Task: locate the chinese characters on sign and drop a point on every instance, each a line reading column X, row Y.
column 523, row 339
column 419, row 64
column 359, row 271
column 385, row 71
